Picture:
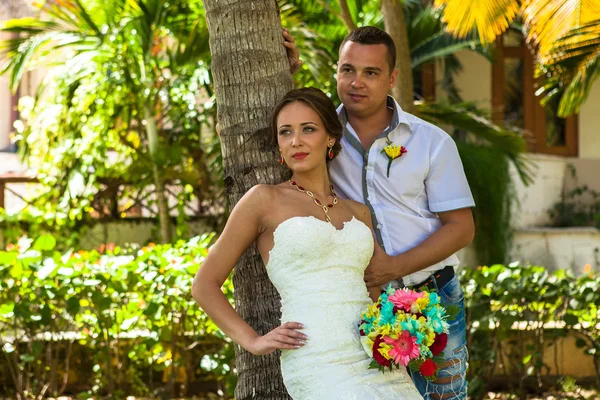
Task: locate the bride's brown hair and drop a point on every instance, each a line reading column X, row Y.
column 321, row 104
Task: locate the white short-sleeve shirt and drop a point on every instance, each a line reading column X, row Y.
column 427, row 179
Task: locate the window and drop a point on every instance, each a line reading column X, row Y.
column 514, row 101
column 424, row 82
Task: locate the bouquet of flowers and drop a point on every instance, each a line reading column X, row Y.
column 406, row 328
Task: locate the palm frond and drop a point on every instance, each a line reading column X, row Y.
column 316, row 45
column 28, row 26
column 489, row 18
column 468, row 118
column 85, row 16
column 570, row 68
column 546, row 21
column 429, row 42
column 20, row 53
column 442, row 45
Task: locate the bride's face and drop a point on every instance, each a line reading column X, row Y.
column 302, row 137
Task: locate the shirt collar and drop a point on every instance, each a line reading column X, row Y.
column 398, row 117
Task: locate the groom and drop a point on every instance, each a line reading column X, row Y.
column 420, row 200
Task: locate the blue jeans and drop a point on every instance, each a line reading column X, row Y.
column 456, row 350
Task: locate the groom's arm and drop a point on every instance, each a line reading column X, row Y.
column 456, row 232
column 449, row 196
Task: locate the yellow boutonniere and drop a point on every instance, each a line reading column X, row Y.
column 393, row 152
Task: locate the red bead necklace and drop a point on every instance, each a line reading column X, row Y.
column 310, row 194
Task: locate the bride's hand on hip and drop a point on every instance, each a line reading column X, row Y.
column 285, row 336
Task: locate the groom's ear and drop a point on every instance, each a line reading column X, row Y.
column 393, row 77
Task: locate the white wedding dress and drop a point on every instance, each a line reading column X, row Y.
column 319, row 273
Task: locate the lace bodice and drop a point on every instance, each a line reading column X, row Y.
column 319, row 273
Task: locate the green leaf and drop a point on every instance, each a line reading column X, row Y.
column 45, row 243
column 36, row 349
column 571, row 319
column 73, row 305
column 16, row 271
column 166, row 334
column 6, row 309
column 7, row 258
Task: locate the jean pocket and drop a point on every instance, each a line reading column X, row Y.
column 451, row 292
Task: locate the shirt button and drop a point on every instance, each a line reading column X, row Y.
column 378, row 226
column 369, row 198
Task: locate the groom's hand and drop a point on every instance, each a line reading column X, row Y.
column 381, row 269
column 292, row 51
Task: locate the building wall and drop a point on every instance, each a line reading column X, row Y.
column 574, row 249
column 533, row 202
column 475, row 80
column 589, row 125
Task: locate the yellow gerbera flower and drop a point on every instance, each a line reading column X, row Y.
column 393, row 151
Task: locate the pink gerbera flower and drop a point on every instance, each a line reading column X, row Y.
column 404, row 299
column 404, row 348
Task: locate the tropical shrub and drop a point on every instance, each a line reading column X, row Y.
column 130, row 306
column 546, row 306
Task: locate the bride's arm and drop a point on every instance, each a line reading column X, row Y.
column 363, row 214
column 244, row 225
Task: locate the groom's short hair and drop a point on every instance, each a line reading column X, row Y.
column 373, row 35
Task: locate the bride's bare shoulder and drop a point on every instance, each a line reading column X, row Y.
column 262, row 195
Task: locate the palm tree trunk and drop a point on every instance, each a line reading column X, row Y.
column 163, row 206
column 346, row 16
column 251, row 73
column 395, row 26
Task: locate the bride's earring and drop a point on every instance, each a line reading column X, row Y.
column 280, row 158
column 330, row 153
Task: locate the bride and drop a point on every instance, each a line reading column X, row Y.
column 315, row 248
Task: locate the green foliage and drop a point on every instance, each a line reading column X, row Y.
column 32, row 222
column 571, row 68
column 498, row 297
column 486, row 168
column 126, row 108
column 131, row 306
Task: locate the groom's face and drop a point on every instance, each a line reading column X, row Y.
column 364, row 78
